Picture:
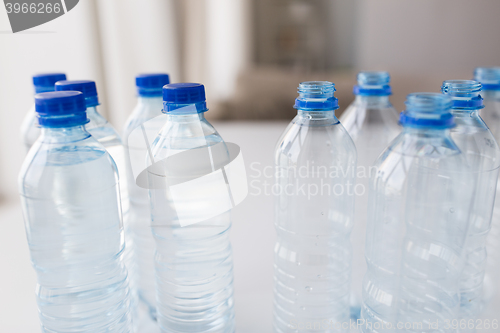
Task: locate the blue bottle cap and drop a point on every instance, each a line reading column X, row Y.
column 178, row 96
column 61, row 109
column 489, row 77
column 316, row 96
column 464, row 93
column 86, row 87
column 427, row 110
column 45, row 82
column 373, row 84
column 150, row 85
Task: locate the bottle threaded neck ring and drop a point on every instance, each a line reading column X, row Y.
column 373, row 84
column 316, row 96
column 489, row 77
column 427, row 110
column 464, row 93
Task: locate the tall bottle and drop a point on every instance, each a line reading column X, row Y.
column 105, row 133
column 372, row 123
column 483, row 157
column 145, row 116
column 194, row 267
column 490, row 80
column 30, row 130
column 315, row 163
column 70, row 198
column 418, row 219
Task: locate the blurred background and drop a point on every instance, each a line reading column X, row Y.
column 251, row 55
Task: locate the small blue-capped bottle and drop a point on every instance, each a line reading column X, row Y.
column 194, row 266
column 69, row 192
column 141, row 128
column 490, row 80
column 483, row 157
column 418, row 217
column 372, row 122
column 30, row 130
column 315, row 161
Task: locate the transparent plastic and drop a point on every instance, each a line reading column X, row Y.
column 491, row 116
column 193, row 263
column 106, row 134
column 71, row 206
column 315, row 163
column 30, row 130
column 372, row 123
column 483, row 157
column 418, row 219
column 147, row 114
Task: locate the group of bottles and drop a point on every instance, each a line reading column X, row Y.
column 82, row 204
column 424, row 191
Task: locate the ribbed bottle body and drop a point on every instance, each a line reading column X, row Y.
column 315, row 164
column 71, row 204
column 372, row 123
column 193, row 263
column 418, row 219
column 491, row 116
column 481, row 150
column 140, row 130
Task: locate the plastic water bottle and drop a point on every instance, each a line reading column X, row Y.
column 418, row 218
column 483, row 157
column 193, row 261
column 105, row 133
column 372, row 123
column 144, row 118
column 70, row 199
column 490, row 80
column 30, row 131
column 315, row 163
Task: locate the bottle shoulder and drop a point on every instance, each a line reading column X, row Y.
column 147, row 114
column 328, row 141
column 362, row 120
column 87, row 157
column 476, row 141
column 410, row 154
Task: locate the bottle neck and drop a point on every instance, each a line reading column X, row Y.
column 373, row 101
column 185, row 117
column 316, row 115
column 64, row 134
column 427, row 132
column 150, row 106
column 460, row 113
column 95, row 117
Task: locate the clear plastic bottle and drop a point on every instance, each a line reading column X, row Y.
column 145, row 116
column 194, row 267
column 418, row 218
column 105, row 133
column 315, row 163
column 70, row 199
column 490, row 80
column 483, row 156
column 30, row 131
column 372, row 123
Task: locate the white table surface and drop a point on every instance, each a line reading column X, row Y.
column 252, row 237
